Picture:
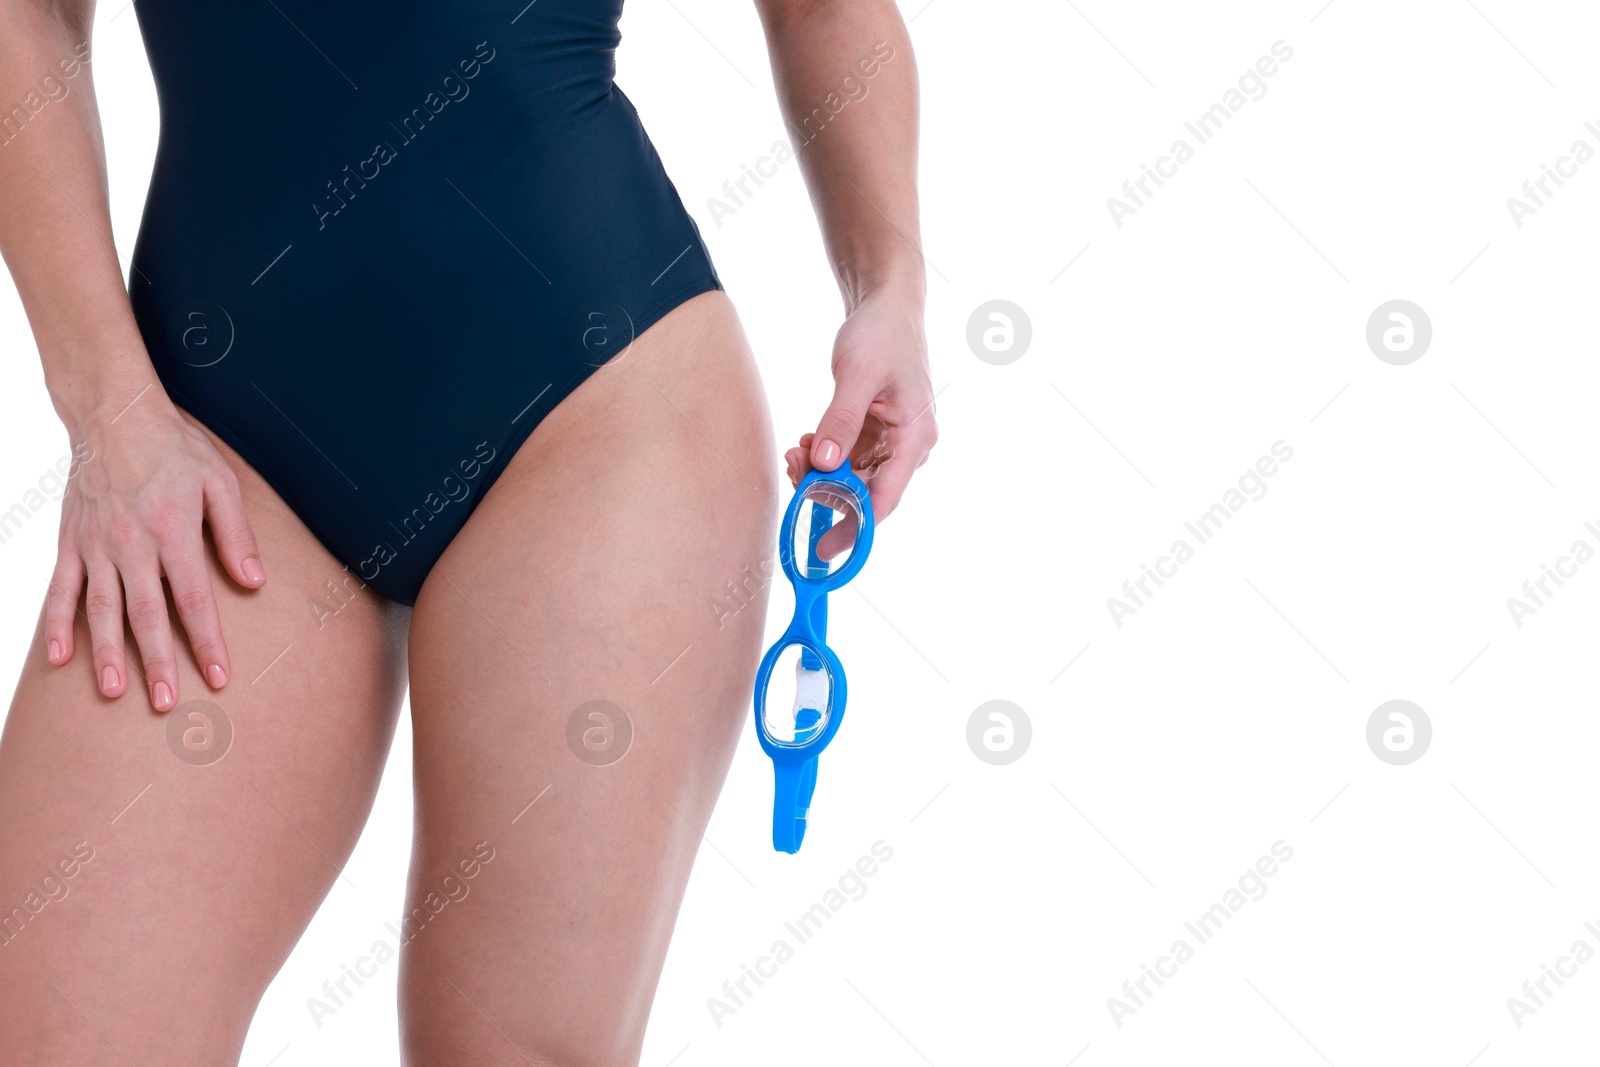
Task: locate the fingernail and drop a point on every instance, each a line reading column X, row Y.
column 55, row 651
column 216, row 676
column 827, row 454
column 109, row 679
column 252, row 569
column 161, row 695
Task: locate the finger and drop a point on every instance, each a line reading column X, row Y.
column 841, row 423
column 103, row 608
column 888, row 485
column 152, row 629
column 61, row 605
column 230, row 529
column 802, row 455
column 197, row 609
column 872, row 447
column 844, row 525
column 888, row 482
column 839, row 537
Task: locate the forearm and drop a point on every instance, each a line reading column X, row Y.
column 847, row 87
column 55, row 225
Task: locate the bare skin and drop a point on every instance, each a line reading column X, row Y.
column 563, row 956
column 195, row 894
column 587, row 573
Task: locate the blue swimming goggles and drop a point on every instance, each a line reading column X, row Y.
column 796, row 720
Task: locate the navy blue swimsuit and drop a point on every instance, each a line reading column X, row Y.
column 383, row 241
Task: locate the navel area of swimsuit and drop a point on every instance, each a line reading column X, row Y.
column 800, row 686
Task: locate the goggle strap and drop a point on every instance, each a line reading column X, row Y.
column 794, row 785
column 809, row 660
column 821, row 523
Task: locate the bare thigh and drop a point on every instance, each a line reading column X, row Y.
column 149, row 891
column 588, row 574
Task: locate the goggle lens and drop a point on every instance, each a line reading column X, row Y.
column 798, row 698
column 826, row 528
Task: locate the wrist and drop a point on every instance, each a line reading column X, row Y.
column 903, row 284
column 96, row 399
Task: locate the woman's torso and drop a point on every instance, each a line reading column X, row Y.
column 381, row 240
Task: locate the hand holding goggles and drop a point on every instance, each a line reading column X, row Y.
column 795, row 721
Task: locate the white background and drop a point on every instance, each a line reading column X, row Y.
column 1230, row 712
